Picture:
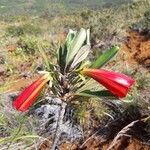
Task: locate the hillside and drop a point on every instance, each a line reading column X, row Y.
column 51, row 51
column 38, row 7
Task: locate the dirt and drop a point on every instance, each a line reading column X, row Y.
column 137, row 48
column 23, row 75
column 133, row 144
column 11, row 48
column 96, row 144
column 65, row 146
column 116, row 135
column 19, row 85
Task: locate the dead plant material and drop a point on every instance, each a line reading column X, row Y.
column 122, row 139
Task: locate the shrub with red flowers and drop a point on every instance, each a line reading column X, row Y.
column 69, row 78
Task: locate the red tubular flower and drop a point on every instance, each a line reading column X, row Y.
column 118, row 84
column 29, row 95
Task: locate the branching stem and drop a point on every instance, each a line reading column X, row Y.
column 59, row 123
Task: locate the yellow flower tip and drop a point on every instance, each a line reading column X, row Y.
column 84, row 71
column 46, row 77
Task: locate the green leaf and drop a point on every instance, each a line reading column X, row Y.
column 62, row 57
column 84, row 64
column 45, row 58
column 70, row 37
column 105, row 57
column 89, row 85
column 76, row 45
column 103, row 93
column 62, row 52
column 81, row 55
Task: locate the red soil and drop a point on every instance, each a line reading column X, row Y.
column 138, row 49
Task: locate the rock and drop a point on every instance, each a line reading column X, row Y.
column 9, row 96
column 48, row 115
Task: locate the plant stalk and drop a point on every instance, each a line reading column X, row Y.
column 59, row 123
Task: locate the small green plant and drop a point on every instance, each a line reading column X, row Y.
column 143, row 24
column 143, row 80
column 14, row 31
column 31, row 45
column 89, row 109
column 21, row 30
column 68, row 79
column 28, row 44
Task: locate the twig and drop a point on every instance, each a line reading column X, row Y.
column 88, row 139
column 111, row 128
column 59, row 123
column 93, row 135
column 125, row 134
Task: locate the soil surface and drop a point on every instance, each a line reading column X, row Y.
column 137, row 48
column 94, row 144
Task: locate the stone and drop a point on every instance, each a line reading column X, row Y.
column 48, row 115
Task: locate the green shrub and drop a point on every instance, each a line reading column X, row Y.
column 22, row 30
column 14, row 31
column 28, row 44
column 144, row 23
column 86, row 109
column 31, row 29
column 114, row 22
column 31, row 44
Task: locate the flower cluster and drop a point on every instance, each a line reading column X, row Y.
column 72, row 72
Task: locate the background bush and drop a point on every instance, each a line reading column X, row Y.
column 20, row 30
